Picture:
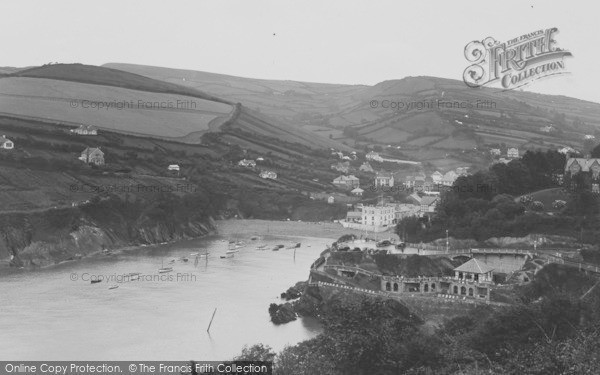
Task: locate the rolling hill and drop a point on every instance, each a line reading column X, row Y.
column 111, row 99
column 442, row 115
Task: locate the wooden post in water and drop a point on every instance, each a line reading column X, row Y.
column 211, row 319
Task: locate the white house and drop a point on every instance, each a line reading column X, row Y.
column 449, row 178
column 6, row 143
column 379, row 216
column 357, row 192
column 268, row 175
column 495, row 152
column 247, row 163
column 384, row 179
column 92, row 155
column 566, row 150
column 589, row 136
column 347, row 182
column 173, row 168
column 437, row 177
column 85, row 130
column 374, row 156
column 512, row 153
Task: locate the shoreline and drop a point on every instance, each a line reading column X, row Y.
column 229, row 227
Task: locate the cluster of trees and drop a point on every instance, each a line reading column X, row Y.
column 483, row 205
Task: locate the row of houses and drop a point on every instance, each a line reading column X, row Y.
column 511, row 153
column 380, row 217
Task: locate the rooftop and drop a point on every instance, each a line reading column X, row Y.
column 474, row 266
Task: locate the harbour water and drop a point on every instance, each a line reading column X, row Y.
column 58, row 314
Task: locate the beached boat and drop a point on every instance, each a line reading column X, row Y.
column 261, row 247
column 165, row 269
column 113, row 287
column 95, row 281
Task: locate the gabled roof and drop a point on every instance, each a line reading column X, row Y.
column 584, row 163
column 357, row 190
column 474, row 266
column 90, row 150
column 428, row 201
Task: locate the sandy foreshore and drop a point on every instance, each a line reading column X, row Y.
column 287, row 228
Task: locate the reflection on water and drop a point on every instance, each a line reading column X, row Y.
column 46, row 315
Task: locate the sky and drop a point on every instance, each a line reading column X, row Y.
column 330, row 41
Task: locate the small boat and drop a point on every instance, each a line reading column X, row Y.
column 183, row 259
column 194, row 254
column 227, row 255
column 172, row 261
column 232, row 251
column 113, row 287
column 261, row 247
column 276, row 248
column 254, row 238
column 280, row 246
column 165, row 269
column 95, row 281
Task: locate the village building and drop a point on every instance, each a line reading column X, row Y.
column 415, row 182
column 547, row 129
column 330, row 200
column 92, row 155
column 6, row 143
column 85, row 130
column 247, row 163
column 437, row 177
column 268, row 175
column 512, row 153
column 449, row 178
column 374, row 156
column 366, row 167
column 495, row 152
column 346, row 182
column 590, row 170
column 378, row 216
column 354, row 217
column 404, row 210
column 567, row 150
column 428, row 204
column 341, row 167
column 357, row 192
column 173, row 168
column 589, row 136
column 384, row 179
column 473, row 279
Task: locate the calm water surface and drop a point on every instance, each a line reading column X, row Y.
column 46, row 315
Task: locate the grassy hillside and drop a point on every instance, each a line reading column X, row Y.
column 133, row 111
column 483, row 118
